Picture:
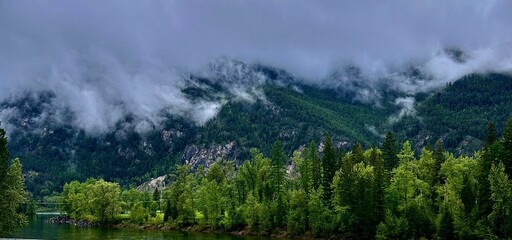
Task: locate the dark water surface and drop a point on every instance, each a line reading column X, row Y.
column 39, row 228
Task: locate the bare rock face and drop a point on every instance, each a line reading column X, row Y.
column 205, row 156
column 150, row 186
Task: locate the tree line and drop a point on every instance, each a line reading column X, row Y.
column 384, row 193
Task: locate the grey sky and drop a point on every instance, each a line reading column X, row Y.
column 107, row 58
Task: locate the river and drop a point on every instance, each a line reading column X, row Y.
column 39, row 228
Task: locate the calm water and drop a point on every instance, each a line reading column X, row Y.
column 39, row 228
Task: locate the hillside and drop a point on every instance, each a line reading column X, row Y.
column 457, row 112
column 53, row 151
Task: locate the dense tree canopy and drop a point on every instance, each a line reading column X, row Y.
column 431, row 195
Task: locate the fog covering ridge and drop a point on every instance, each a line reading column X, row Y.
column 105, row 60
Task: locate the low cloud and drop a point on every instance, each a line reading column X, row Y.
column 105, row 60
column 407, row 108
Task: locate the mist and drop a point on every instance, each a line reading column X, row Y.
column 106, row 59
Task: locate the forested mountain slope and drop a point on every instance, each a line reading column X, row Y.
column 54, row 151
column 457, row 112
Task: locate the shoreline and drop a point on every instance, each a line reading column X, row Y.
column 191, row 229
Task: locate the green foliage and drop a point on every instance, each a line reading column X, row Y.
column 94, row 200
column 507, row 147
column 138, row 214
column 321, row 218
column 298, row 215
column 490, row 135
column 472, row 199
column 12, row 191
column 104, row 200
column 408, row 202
column 389, row 152
column 438, row 159
column 316, row 164
column 329, row 168
column 458, row 113
column 489, row 156
column 501, row 196
column 168, row 211
column 446, row 229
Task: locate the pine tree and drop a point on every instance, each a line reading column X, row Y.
column 490, row 135
column 316, row 165
column 467, row 196
column 490, row 155
column 501, row 189
column 446, row 229
column 277, row 167
column 358, row 154
column 378, row 165
column 328, row 169
column 156, row 195
column 4, row 161
column 439, row 159
column 277, row 164
column 167, row 213
column 389, row 151
column 506, row 158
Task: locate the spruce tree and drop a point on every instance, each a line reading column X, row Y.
column 490, row 135
column 500, row 218
column 358, row 154
column 277, row 171
column 490, row 154
column 389, row 151
column 156, row 195
column 446, row 229
column 467, row 196
column 439, row 159
column 506, row 158
column 378, row 165
column 277, row 162
column 167, row 212
column 316, row 165
column 156, row 198
column 328, row 169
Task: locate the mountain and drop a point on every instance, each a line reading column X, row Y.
column 259, row 105
column 459, row 112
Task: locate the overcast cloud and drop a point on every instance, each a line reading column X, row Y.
column 105, row 59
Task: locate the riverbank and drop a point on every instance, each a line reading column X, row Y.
column 39, row 227
column 282, row 234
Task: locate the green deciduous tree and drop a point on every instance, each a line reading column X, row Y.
column 409, row 213
column 138, row 214
column 104, row 199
